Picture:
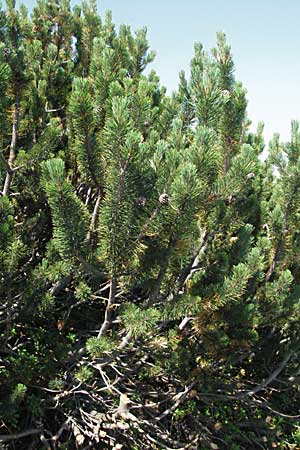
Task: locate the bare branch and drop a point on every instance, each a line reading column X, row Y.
column 271, row 378
column 179, row 398
column 94, row 219
column 110, row 304
column 11, row 437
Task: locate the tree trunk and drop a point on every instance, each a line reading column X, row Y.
column 12, row 151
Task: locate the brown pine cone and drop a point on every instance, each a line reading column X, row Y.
column 164, row 199
column 140, row 201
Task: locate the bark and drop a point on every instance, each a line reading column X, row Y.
column 110, row 304
column 12, row 150
column 94, row 219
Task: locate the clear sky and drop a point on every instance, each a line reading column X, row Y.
column 264, row 36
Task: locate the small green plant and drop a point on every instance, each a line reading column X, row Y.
column 84, row 374
column 18, row 393
column 296, row 435
column 71, row 337
column 56, row 384
column 188, row 408
column 83, row 291
column 97, row 346
column 35, row 405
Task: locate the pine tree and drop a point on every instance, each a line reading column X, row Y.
column 148, row 255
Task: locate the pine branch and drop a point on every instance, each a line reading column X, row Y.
column 124, row 343
column 154, row 294
column 280, row 246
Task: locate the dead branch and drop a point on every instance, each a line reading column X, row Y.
column 109, row 307
column 179, row 398
column 271, row 378
column 12, row 437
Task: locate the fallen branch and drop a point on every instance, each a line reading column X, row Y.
column 11, row 437
column 179, row 398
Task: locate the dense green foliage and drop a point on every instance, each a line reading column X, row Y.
column 149, row 255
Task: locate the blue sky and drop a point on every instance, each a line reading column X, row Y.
column 264, row 36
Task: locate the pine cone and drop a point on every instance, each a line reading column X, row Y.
column 226, row 93
column 140, row 201
column 164, row 199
